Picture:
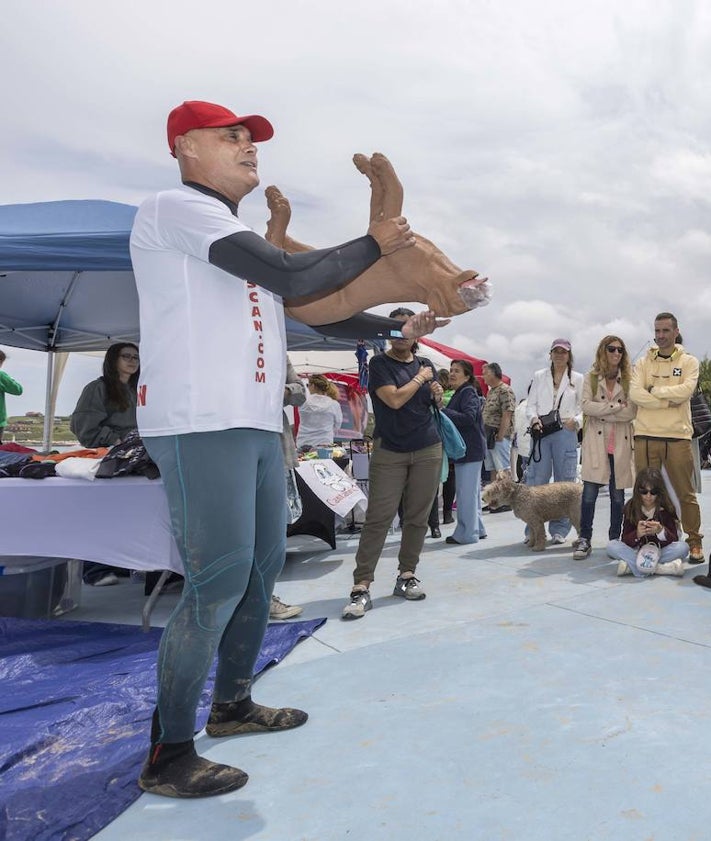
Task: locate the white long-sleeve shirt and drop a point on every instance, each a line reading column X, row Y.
column 319, row 419
column 543, row 398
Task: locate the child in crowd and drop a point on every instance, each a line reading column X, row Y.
column 650, row 531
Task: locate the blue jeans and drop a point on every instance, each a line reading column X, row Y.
column 559, row 457
column 617, row 502
column 470, row 525
column 499, row 457
column 619, row 551
column 226, row 496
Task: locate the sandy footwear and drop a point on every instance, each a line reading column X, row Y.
column 237, row 717
column 175, row 770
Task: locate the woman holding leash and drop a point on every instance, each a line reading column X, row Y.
column 607, row 457
column 554, row 412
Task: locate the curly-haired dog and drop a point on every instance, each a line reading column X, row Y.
column 536, row 505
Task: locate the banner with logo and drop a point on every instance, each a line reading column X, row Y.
column 331, row 485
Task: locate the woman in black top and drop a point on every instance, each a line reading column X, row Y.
column 406, row 464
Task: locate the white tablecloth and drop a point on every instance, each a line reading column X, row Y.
column 122, row 522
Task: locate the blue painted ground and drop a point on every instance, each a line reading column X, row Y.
column 528, row 697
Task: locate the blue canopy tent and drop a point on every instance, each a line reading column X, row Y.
column 66, row 284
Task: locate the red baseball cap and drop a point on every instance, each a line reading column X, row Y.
column 562, row 343
column 197, row 114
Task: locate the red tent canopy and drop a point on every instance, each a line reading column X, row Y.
column 453, row 353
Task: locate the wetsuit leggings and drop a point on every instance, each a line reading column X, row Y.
column 226, row 496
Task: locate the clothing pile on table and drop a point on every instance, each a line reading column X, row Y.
column 126, row 458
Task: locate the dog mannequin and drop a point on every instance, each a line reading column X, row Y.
column 421, row 273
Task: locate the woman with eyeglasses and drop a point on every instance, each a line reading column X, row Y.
column 106, row 410
column 105, row 413
column 607, row 455
column 650, row 520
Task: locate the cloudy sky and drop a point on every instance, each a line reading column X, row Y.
column 562, row 148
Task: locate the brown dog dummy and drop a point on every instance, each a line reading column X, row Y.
column 421, row 273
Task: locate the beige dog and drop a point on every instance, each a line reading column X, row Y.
column 537, row 504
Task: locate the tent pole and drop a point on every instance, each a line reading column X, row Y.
column 47, row 428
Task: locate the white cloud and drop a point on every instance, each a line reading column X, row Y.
column 560, row 148
column 683, row 173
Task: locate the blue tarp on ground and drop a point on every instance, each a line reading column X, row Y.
column 76, row 699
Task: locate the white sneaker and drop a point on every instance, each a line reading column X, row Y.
column 107, row 580
column 675, row 567
column 623, row 569
column 409, row 588
column 279, row 610
column 557, row 540
column 357, row 606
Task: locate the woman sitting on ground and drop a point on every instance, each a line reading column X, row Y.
column 465, row 412
column 104, row 415
column 650, row 520
column 320, row 417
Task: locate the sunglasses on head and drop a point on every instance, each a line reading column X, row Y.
column 614, row 349
column 652, row 491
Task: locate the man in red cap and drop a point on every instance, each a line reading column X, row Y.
column 209, row 410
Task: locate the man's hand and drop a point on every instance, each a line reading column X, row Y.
column 421, row 324
column 392, row 234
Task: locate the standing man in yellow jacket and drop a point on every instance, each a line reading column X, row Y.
column 663, row 381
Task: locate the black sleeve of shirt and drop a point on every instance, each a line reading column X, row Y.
column 365, row 325
column 249, row 256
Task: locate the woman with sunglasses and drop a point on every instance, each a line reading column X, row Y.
column 649, row 518
column 607, row 456
column 105, row 413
